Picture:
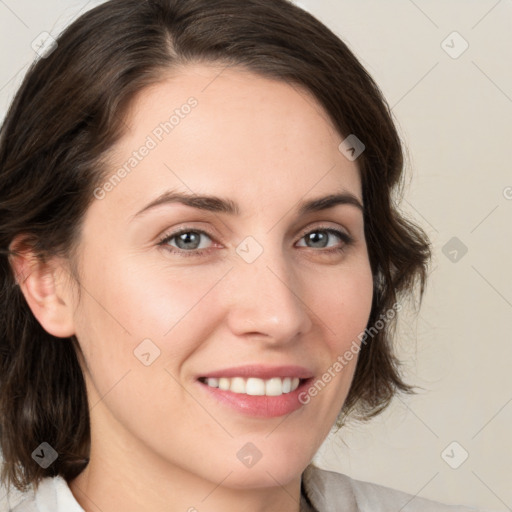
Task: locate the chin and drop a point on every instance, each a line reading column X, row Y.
column 266, row 473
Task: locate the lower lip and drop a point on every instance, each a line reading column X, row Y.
column 260, row 406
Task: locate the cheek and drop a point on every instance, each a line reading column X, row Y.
column 137, row 325
column 132, row 299
column 343, row 302
column 344, row 312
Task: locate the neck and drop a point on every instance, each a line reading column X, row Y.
column 110, row 489
column 123, row 474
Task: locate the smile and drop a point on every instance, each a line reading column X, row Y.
column 254, row 386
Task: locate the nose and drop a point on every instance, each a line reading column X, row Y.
column 266, row 299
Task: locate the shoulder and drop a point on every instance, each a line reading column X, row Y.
column 52, row 495
column 329, row 490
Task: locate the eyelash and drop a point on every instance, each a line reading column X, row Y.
column 346, row 238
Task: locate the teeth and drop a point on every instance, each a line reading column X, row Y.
column 275, row 386
column 253, row 386
column 287, row 385
column 214, row 383
column 223, row 384
column 237, row 385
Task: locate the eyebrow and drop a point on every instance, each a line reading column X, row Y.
column 221, row 205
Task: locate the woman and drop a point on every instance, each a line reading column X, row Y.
column 141, row 374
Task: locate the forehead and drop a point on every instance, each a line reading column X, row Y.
column 211, row 129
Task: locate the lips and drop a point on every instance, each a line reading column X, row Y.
column 253, row 385
column 256, row 390
column 261, row 372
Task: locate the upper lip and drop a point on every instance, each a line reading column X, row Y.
column 261, row 372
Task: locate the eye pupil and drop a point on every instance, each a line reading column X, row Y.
column 189, row 240
column 318, row 238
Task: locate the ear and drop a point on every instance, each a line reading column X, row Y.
column 46, row 286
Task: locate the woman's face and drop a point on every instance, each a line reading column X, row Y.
column 250, row 283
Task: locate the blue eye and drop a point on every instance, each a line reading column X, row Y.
column 320, row 238
column 194, row 242
column 186, row 240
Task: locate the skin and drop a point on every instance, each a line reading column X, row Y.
column 159, row 442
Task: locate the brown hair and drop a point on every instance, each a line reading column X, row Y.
column 68, row 113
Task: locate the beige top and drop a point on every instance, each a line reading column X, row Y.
column 328, row 491
column 322, row 491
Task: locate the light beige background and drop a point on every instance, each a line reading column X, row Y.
column 455, row 116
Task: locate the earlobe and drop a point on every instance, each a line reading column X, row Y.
column 45, row 288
